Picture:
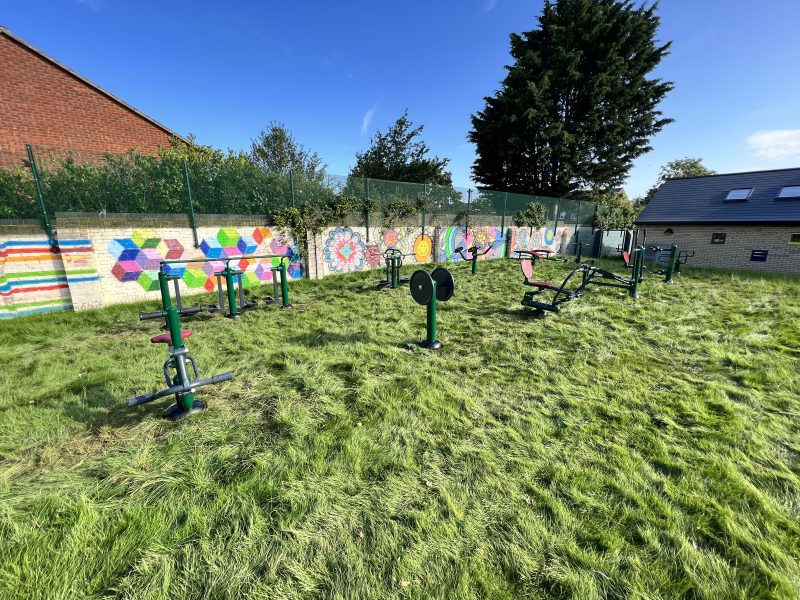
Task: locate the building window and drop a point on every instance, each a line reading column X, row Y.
column 738, row 195
column 759, row 255
column 794, row 238
column 790, row 192
column 718, row 238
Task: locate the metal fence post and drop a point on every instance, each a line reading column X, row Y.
column 503, row 219
column 469, row 203
column 191, row 203
column 366, row 209
column 48, row 227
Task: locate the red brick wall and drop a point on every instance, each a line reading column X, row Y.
column 42, row 105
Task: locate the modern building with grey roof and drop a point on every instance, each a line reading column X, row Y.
column 734, row 221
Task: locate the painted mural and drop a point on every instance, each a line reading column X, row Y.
column 346, row 249
column 522, row 238
column 137, row 258
column 452, row 238
column 35, row 277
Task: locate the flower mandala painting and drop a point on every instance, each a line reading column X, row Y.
column 344, row 250
column 391, row 238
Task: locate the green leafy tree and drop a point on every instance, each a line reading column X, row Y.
column 533, row 216
column 682, row 167
column 400, row 155
column 577, row 106
column 275, row 150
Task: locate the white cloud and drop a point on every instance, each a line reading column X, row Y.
column 776, row 144
column 367, row 119
column 489, row 5
column 95, row 5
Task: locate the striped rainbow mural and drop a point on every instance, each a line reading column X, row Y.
column 33, row 277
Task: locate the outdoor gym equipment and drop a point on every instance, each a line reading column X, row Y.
column 683, row 258
column 394, row 260
column 428, row 288
column 666, row 255
column 233, row 277
column 183, row 311
column 180, row 384
column 590, row 275
column 474, row 252
column 560, row 293
column 597, row 276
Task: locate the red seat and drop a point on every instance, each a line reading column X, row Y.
column 626, row 256
column 541, row 284
column 165, row 338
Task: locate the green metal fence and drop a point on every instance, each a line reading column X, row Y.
column 231, row 184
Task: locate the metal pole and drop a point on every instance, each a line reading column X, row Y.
column 503, row 219
column 48, row 227
column 469, row 203
column 673, row 255
column 231, row 289
column 431, row 322
column 366, row 210
column 638, row 257
column 284, row 287
column 185, row 401
column 191, row 203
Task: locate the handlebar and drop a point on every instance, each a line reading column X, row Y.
column 179, row 389
column 191, row 310
column 151, row 315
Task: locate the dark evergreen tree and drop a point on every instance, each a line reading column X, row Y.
column 399, row 155
column 577, row 106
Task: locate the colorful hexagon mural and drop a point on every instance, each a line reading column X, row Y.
column 138, row 257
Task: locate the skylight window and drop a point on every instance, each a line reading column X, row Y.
column 790, row 191
column 738, row 194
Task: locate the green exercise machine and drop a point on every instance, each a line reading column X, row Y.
column 571, row 288
column 428, row 289
column 393, row 258
column 234, row 286
column 181, row 382
column 673, row 258
column 475, row 252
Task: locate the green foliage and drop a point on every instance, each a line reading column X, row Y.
column 222, row 182
column 398, row 210
column 17, row 200
column 618, row 450
column 533, row 216
column 399, row 155
column 576, row 107
column 682, row 167
column 370, row 205
column 275, row 150
column 615, row 217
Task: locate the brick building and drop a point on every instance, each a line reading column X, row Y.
column 732, row 221
column 47, row 105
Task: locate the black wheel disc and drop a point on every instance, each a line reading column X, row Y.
column 445, row 284
column 421, row 287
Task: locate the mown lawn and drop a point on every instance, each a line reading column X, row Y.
column 622, row 449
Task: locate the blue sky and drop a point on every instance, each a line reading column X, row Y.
column 334, row 72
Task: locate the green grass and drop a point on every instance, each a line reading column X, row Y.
column 622, row 449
